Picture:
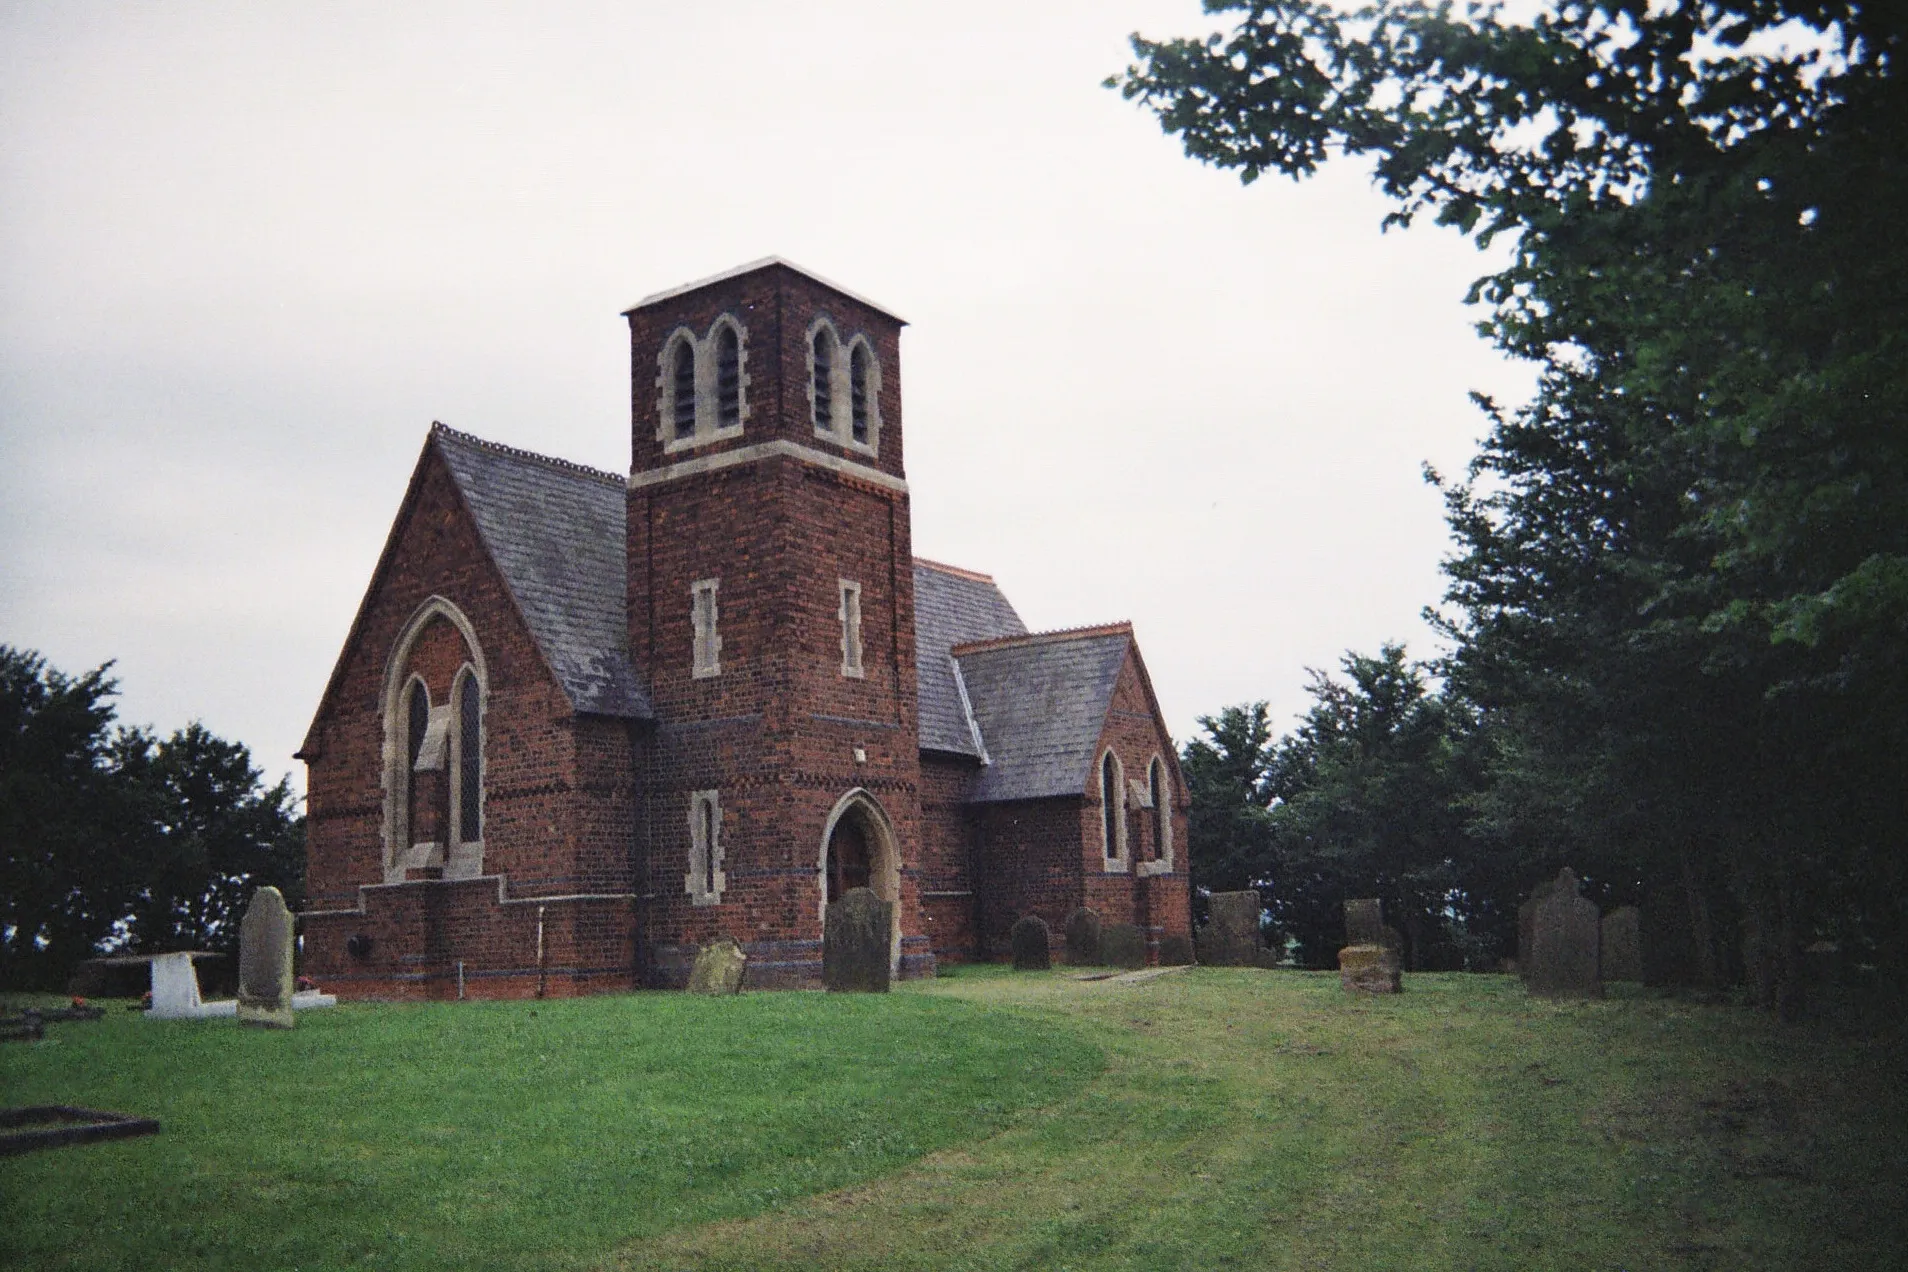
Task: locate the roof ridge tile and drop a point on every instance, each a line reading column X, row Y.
column 439, row 429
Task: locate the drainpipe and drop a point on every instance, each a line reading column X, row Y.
column 542, row 978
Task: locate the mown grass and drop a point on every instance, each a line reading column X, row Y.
column 1206, row 1119
column 519, row 1135
column 1266, row 1120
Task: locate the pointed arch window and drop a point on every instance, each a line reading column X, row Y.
column 470, row 760
column 682, row 396
column 858, row 359
column 1112, row 811
column 1159, row 795
column 418, row 723
column 821, row 378
column 705, row 879
column 728, row 378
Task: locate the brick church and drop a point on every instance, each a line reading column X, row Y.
column 586, row 722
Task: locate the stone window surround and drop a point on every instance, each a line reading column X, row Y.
column 394, row 773
column 1120, row 860
column 464, row 858
column 849, row 612
column 705, row 641
column 706, row 858
column 1159, row 801
column 841, row 393
column 708, row 418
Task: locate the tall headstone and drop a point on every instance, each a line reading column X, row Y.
column 1622, row 947
column 265, row 962
column 1123, row 945
column 1526, row 926
column 1370, row 968
column 1033, row 944
column 1083, row 938
column 175, row 988
column 1365, row 925
column 1565, row 934
column 1233, row 937
column 719, row 967
column 855, row 943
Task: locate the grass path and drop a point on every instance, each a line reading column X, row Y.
column 1260, row 1120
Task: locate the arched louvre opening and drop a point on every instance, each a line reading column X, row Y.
column 728, row 378
column 858, row 393
column 470, row 763
column 683, row 390
column 822, row 381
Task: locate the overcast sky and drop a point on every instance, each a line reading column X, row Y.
column 249, row 252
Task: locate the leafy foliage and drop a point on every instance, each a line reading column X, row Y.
column 116, row 839
column 1679, row 601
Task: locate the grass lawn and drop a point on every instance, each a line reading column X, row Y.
column 1210, row 1118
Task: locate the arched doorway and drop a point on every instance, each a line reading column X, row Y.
column 859, row 851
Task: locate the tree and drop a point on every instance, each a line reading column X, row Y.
column 1680, row 597
column 113, row 839
column 1226, row 773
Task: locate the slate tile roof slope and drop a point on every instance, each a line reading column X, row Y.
column 952, row 607
column 557, row 533
column 1041, row 704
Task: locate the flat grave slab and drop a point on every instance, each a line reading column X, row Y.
column 56, row 1125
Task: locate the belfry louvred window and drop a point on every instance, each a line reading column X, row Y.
column 728, row 378
column 858, row 392
column 683, row 390
column 822, row 380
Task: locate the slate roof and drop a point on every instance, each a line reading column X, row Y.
column 1041, row 702
column 952, row 607
column 557, row 532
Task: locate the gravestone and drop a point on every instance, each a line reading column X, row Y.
column 1370, row 968
column 1175, row 951
column 1123, row 945
column 1622, row 948
column 1365, row 925
column 719, row 967
column 1565, row 934
column 1233, row 937
column 1083, row 938
column 1526, row 918
column 265, row 962
column 1032, row 944
column 855, row 943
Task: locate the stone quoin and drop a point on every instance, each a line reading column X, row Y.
column 586, row 724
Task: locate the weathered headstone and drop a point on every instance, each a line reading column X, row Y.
column 719, row 967
column 1032, row 944
column 1526, row 930
column 1175, row 951
column 1083, row 938
column 1365, row 925
column 1565, row 934
column 1232, row 938
column 265, row 962
column 1123, row 945
column 1370, row 968
column 855, row 943
column 1622, row 948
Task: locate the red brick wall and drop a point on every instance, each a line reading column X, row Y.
column 1030, row 864
column 553, row 790
column 950, row 847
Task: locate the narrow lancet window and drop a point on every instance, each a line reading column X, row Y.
column 1112, row 805
column 850, row 615
column 822, row 383
column 683, row 391
column 728, row 378
column 704, row 879
column 706, row 650
column 1162, row 815
column 420, row 722
column 470, row 763
column 858, row 392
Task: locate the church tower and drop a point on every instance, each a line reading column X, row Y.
column 771, row 616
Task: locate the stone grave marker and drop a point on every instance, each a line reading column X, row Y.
column 1526, row 930
column 1175, row 951
column 719, row 967
column 855, row 943
column 1365, row 925
column 1083, row 938
column 1123, row 945
column 1032, row 944
column 265, row 962
column 1622, row 947
column 1233, row 937
column 1370, row 968
column 1565, row 934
